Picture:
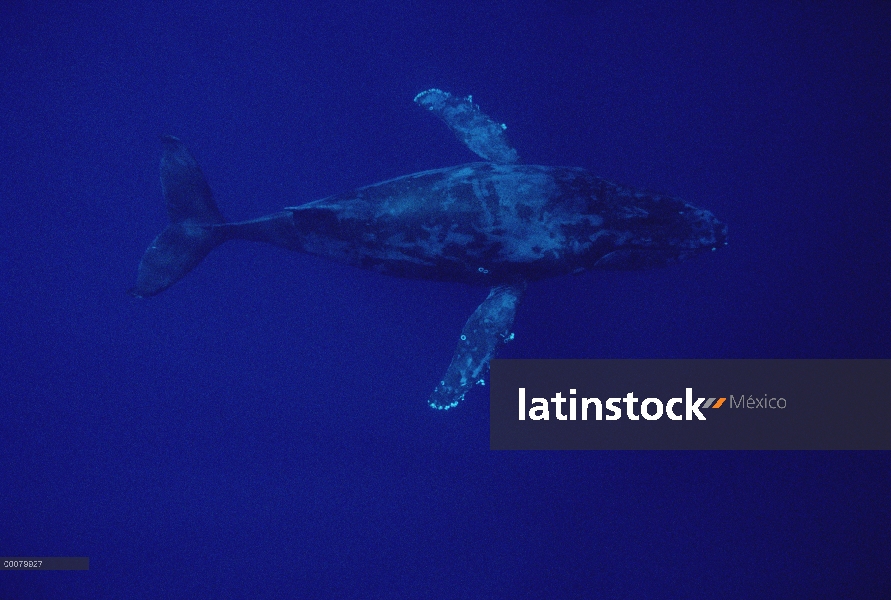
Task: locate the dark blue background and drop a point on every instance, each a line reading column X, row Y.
column 260, row 429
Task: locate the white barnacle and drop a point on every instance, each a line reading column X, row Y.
column 463, row 338
column 481, row 382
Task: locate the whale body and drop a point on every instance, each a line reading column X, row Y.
column 495, row 223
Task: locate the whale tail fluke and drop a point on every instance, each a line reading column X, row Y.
column 194, row 223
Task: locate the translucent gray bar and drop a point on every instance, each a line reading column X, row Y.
column 44, row 563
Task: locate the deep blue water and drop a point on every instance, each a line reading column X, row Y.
column 260, row 429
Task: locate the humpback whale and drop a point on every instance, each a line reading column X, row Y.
column 494, row 223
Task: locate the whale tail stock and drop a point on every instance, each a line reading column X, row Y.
column 194, row 223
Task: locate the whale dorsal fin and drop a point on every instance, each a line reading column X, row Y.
column 477, row 130
column 487, row 328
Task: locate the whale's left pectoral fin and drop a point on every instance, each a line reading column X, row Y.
column 487, row 328
column 477, row 130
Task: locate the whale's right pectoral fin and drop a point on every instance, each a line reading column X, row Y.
column 477, row 130
column 487, row 328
